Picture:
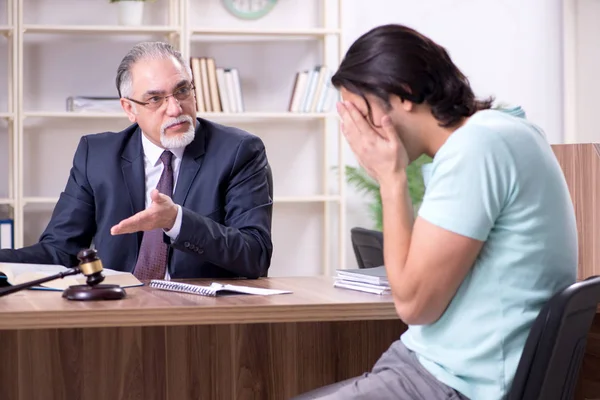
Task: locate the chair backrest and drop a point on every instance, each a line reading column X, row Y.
column 368, row 247
column 553, row 353
column 270, row 183
column 270, row 180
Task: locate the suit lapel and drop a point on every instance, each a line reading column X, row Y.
column 132, row 165
column 190, row 165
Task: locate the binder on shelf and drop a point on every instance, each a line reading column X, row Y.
column 7, row 234
column 93, row 104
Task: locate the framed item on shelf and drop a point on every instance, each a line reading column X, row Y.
column 249, row 9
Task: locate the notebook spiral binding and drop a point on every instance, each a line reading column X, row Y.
column 182, row 287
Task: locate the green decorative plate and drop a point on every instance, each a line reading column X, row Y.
column 249, row 9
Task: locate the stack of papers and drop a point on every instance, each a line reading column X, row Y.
column 370, row 280
column 94, row 104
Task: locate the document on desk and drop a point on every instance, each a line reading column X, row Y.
column 370, row 280
column 215, row 289
column 17, row 273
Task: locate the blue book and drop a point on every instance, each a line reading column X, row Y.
column 7, row 234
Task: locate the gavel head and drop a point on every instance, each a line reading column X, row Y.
column 90, row 266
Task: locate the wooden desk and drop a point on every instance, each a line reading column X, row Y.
column 163, row 345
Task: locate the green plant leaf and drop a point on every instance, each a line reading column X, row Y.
column 359, row 178
column 416, row 187
column 363, row 183
column 376, row 210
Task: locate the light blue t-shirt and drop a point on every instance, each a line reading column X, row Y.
column 496, row 179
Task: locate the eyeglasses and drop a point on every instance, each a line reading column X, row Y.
column 155, row 102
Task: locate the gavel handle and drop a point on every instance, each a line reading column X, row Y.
column 26, row 285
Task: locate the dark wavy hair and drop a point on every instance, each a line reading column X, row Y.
column 395, row 59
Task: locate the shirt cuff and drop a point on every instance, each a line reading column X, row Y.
column 174, row 231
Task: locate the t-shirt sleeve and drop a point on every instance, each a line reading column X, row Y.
column 469, row 185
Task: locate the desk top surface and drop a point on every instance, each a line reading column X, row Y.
column 313, row 299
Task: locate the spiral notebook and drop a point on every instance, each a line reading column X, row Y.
column 215, row 289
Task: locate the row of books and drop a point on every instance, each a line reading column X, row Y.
column 370, row 280
column 312, row 91
column 218, row 89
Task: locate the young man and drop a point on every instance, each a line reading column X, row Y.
column 495, row 236
column 170, row 196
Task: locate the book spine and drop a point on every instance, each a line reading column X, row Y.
column 7, row 234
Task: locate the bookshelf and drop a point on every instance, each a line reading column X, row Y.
column 214, row 116
column 8, row 113
column 279, row 33
column 276, row 199
column 99, row 29
column 41, row 33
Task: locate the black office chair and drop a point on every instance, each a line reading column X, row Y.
column 554, row 349
column 368, row 247
column 553, row 353
column 270, row 183
column 270, row 180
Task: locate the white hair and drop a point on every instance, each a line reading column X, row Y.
column 181, row 140
column 145, row 51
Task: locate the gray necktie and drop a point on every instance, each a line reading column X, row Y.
column 152, row 259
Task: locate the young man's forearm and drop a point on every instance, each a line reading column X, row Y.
column 398, row 220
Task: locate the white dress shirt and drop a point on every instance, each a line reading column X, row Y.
column 153, row 168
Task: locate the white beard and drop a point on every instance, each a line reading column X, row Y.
column 178, row 140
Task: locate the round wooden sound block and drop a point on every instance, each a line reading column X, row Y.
column 98, row 292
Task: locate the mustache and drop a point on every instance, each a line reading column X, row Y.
column 175, row 121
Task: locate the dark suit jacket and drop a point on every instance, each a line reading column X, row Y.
column 222, row 187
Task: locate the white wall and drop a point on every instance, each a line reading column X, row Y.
column 507, row 48
column 587, row 61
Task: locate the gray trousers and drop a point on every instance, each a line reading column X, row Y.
column 396, row 375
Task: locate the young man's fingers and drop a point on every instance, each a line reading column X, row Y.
column 388, row 129
column 359, row 120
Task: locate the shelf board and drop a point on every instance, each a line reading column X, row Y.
column 40, row 200
column 210, row 116
column 7, row 201
column 277, row 199
column 34, row 28
column 306, row 199
column 5, row 30
column 70, row 114
column 6, row 115
column 281, row 33
column 263, row 115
